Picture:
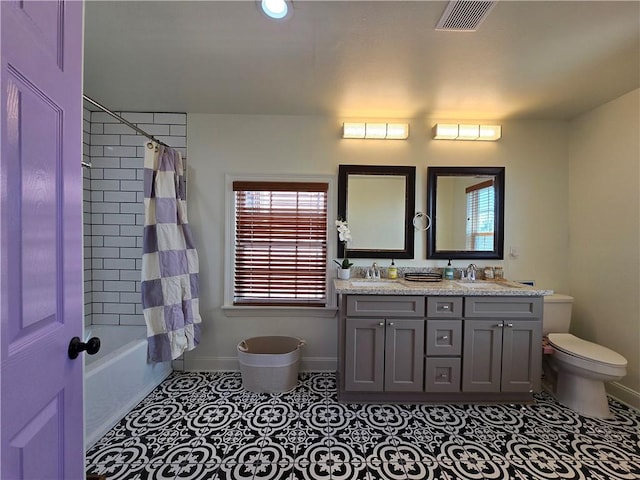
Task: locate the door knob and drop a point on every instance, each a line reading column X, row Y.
column 76, row 346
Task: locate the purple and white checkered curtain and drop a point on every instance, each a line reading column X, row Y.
column 169, row 258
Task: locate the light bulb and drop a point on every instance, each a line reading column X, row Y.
column 275, row 8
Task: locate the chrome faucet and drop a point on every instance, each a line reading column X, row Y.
column 471, row 272
column 375, row 270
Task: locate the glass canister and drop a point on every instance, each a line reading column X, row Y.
column 498, row 273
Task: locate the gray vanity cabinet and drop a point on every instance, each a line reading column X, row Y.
column 384, row 347
column 502, row 344
column 439, row 348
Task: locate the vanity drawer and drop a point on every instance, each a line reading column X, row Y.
column 444, row 337
column 503, row 307
column 442, row 375
column 444, row 307
column 385, row 306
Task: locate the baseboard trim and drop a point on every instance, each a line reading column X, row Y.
column 230, row 364
column 624, row 394
column 319, row 364
column 211, row 364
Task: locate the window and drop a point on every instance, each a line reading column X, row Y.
column 480, row 216
column 280, row 249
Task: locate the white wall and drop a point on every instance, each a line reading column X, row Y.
column 533, row 152
column 604, row 208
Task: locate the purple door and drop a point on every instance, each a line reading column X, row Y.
column 41, row 243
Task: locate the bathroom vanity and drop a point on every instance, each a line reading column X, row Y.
column 443, row 342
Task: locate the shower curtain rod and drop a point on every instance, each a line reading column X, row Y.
column 122, row 120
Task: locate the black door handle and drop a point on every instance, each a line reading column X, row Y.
column 76, row 346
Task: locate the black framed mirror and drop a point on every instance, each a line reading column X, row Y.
column 466, row 208
column 378, row 203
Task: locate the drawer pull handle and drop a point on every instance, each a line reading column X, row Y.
column 509, row 324
column 444, row 337
column 445, row 307
column 500, row 325
column 381, row 324
column 391, row 324
column 442, row 375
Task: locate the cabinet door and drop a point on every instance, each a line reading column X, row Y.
column 481, row 364
column 521, row 356
column 444, row 338
column 404, row 355
column 442, row 374
column 364, row 354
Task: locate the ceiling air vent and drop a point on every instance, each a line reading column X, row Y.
column 464, row 15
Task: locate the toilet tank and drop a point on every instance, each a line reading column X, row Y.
column 556, row 317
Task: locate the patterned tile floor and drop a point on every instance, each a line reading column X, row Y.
column 205, row 426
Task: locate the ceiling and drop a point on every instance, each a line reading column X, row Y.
column 361, row 59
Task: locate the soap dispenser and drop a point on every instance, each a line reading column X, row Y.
column 448, row 271
column 393, row 270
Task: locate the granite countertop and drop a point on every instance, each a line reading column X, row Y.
column 362, row 286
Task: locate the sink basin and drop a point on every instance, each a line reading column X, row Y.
column 372, row 283
column 479, row 285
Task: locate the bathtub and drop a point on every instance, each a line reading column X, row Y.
column 117, row 378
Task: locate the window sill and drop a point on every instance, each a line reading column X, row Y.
column 262, row 311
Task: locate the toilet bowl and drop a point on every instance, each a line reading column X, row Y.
column 582, row 369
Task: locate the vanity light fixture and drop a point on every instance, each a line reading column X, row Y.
column 382, row 131
column 466, row 131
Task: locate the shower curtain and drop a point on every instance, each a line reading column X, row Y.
column 169, row 258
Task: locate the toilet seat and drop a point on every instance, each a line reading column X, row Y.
column 588, row 351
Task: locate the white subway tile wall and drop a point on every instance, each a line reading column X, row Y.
column 86, row 210
column 114, row 210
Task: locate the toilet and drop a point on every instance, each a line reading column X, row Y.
column 576, row 370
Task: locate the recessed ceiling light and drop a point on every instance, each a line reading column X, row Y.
column 277, row 9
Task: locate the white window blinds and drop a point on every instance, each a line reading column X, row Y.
column 480, row 216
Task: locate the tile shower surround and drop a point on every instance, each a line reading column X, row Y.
column 114, row 209
column 205, row 426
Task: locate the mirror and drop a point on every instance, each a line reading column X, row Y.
column 378, row 203
column 466, row 207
